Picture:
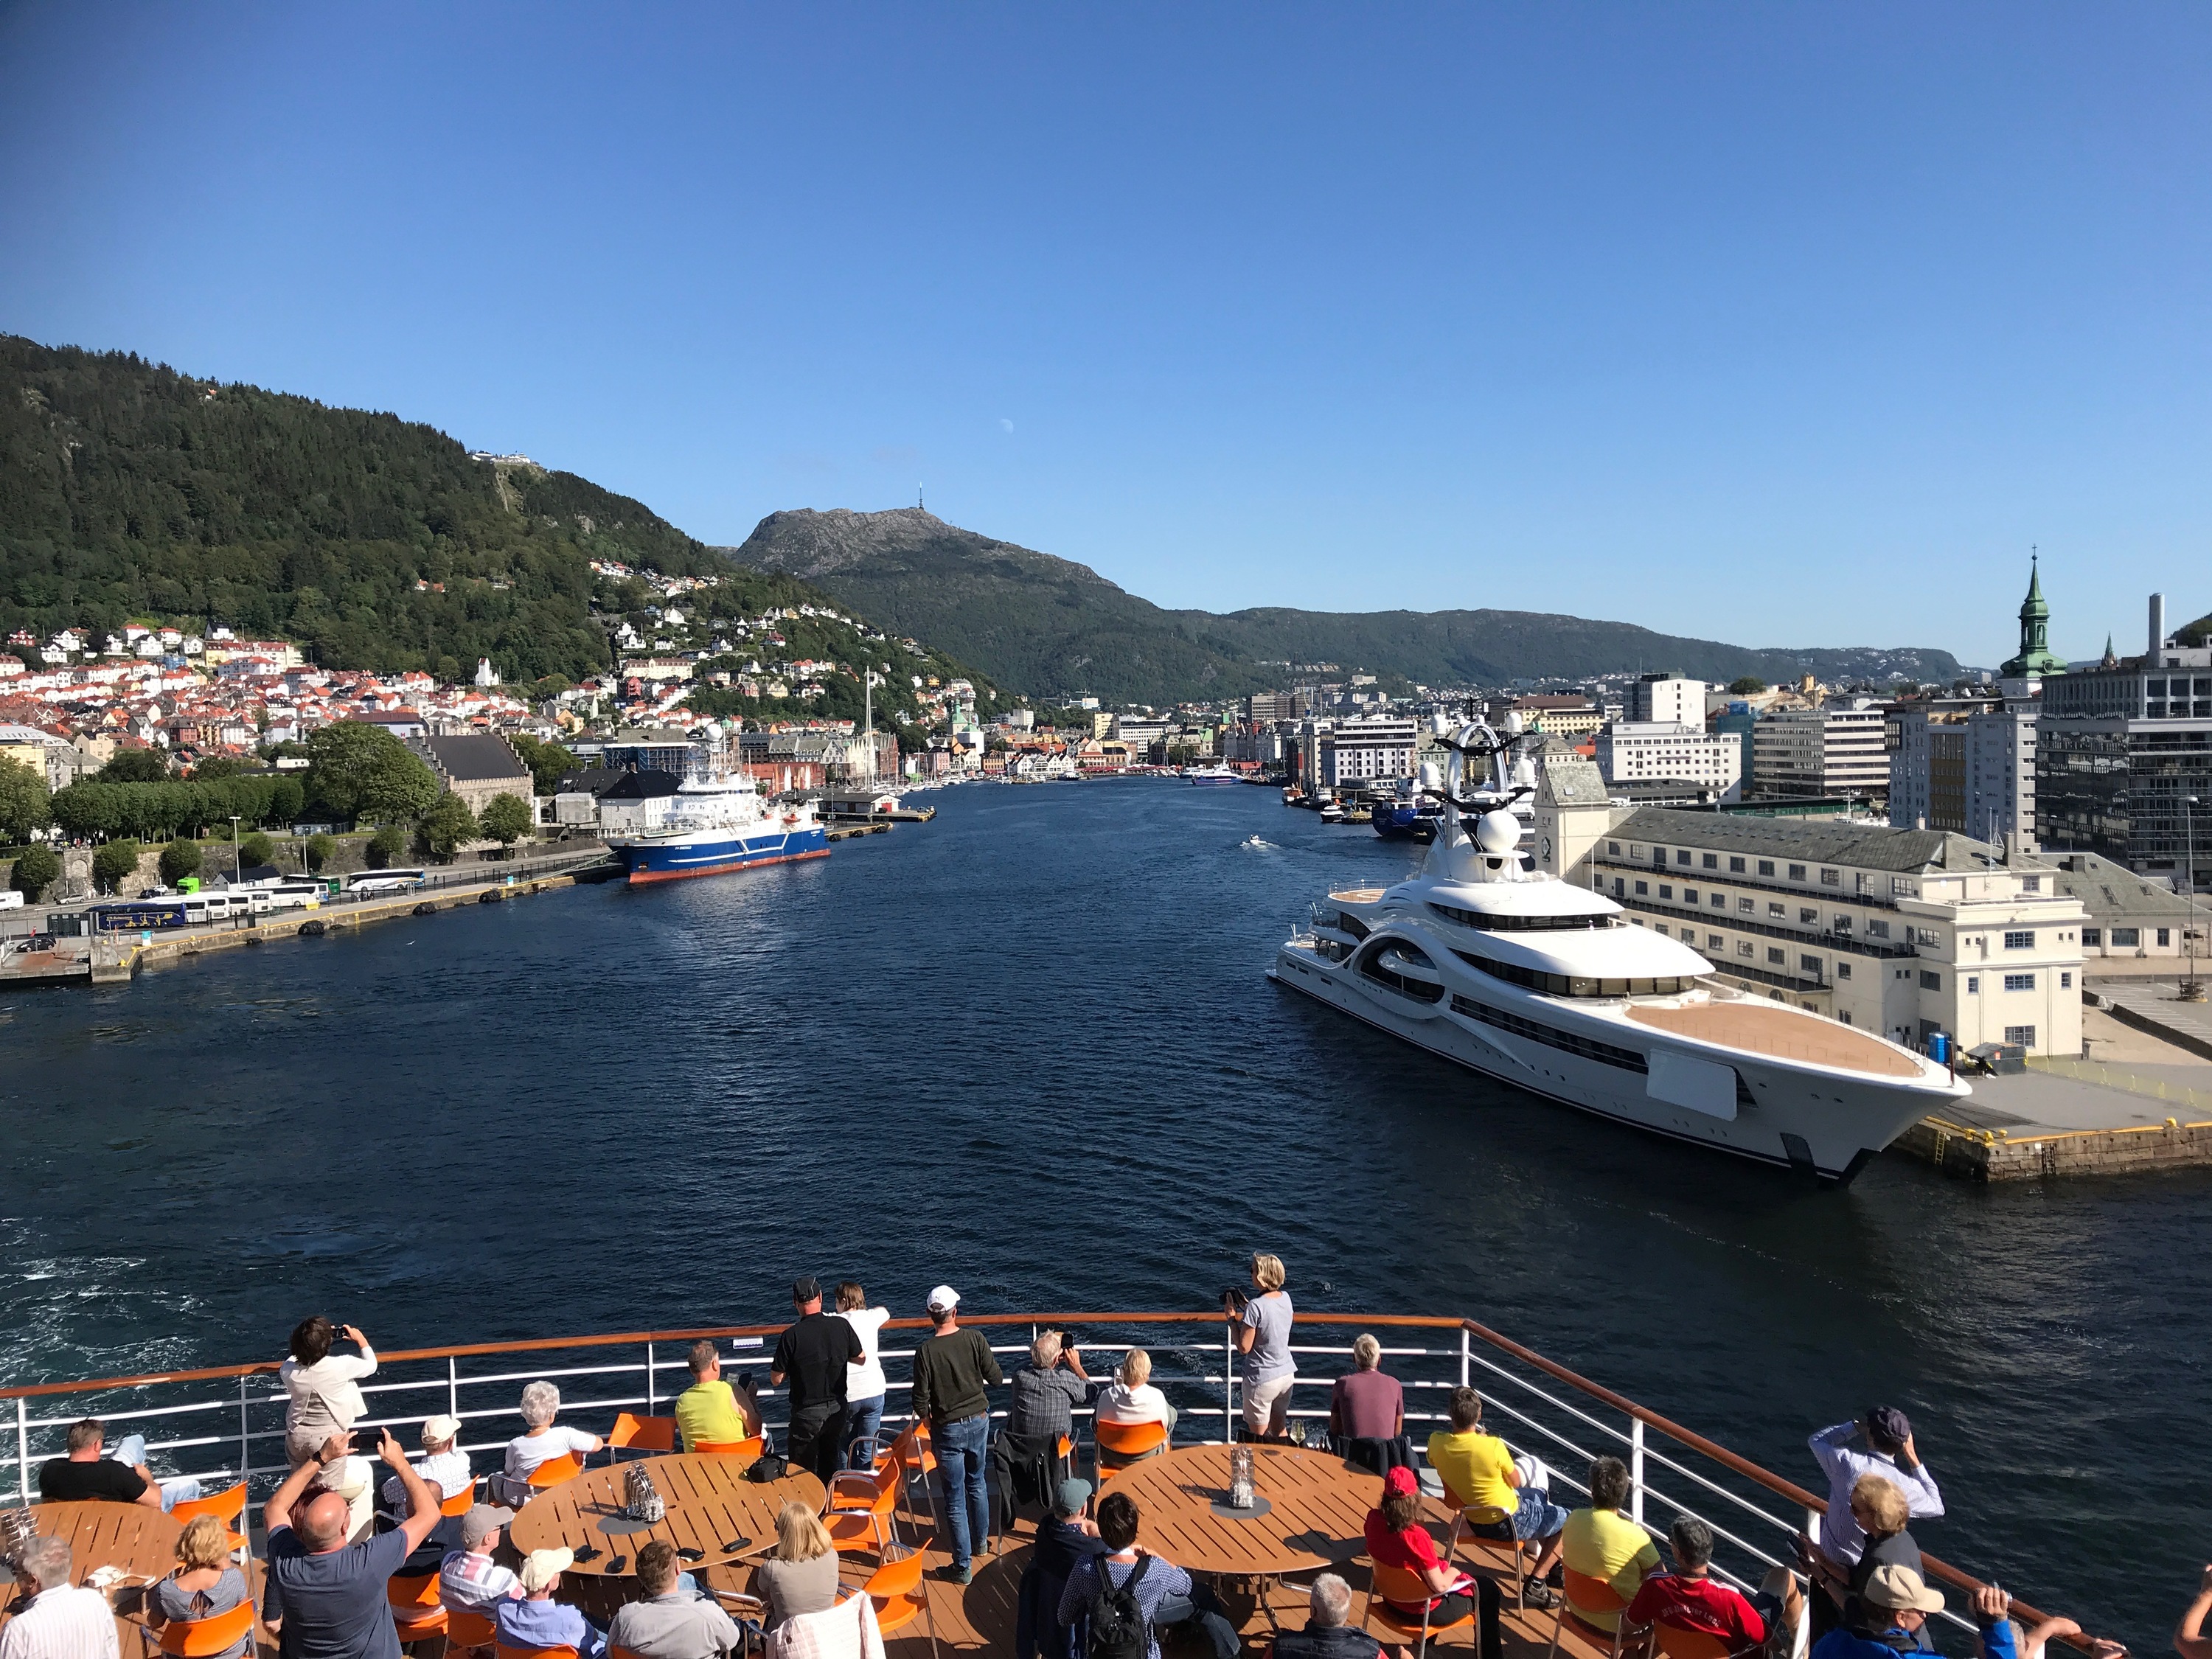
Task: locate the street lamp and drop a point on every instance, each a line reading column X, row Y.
column 2192, row 989
column 237, row 870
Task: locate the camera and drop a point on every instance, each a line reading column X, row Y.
column 1233, row 1300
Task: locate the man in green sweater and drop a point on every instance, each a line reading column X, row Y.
column 951, row 1372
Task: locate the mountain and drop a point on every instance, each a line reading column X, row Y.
column 130, row 492
column 1056, row 630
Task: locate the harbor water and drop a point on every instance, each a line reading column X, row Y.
column 1029, row 1049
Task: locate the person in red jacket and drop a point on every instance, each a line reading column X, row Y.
column 1688, row 1598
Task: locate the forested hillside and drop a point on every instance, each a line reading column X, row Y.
column 128, row 490
column 1057, row 629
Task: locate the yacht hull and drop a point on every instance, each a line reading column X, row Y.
column 1819, row 1123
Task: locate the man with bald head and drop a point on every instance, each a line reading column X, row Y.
column 330, row 1594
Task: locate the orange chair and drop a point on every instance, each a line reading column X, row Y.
column 196, row 1638
column 1393, row 1592
column 1585, row 1595
column 503, row 1652
column 1125, row 1443
column 860, row 1501
column 1486, row 1515
column 469, row 1631
column 554, row 1470
column 228, row 1507
column 752, row 1446
column 900, row 1596
column 1678, row 1642
column 416, row 1609
column 461, row 1502
column 643, row 1433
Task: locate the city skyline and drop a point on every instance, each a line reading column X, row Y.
column 1780, row 329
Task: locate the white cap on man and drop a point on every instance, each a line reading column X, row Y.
column 944, row 1299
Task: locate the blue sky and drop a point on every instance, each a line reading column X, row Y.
column 1783, row 324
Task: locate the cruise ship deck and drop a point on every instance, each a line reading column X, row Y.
column 225, row 1423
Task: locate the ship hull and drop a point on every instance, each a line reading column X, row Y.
column 1817, row 1124
column 645, row 859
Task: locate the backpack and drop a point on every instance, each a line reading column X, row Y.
column 1119, row 1629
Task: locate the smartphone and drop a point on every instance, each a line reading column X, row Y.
column 617, row 1563
column 586, row 1552
column 691, row 1555
column 745, row 1379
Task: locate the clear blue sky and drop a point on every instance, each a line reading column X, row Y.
column 1780, row 324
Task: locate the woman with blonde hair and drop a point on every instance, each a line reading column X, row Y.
column 1131, row 1397
column 801, row 1575
column 204, row 1583
column 1260, row 1326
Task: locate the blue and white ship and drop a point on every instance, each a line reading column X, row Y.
column 717, row 825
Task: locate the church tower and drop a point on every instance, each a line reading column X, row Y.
column 2035, row 660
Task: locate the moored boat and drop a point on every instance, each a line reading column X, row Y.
column 718, row 825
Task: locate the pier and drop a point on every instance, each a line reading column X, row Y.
column 2140, row 1100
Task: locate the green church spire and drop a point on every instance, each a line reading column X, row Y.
column 2035, row 660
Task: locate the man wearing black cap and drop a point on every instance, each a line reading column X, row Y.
column 1886, row 1449
column 817, row 1354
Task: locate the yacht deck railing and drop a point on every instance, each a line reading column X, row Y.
column 223, row 1434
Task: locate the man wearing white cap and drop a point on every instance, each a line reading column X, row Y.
column 443, row 1466
column 538, row 1620
column 951, row 1372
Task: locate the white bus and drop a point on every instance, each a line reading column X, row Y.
column 384, row 881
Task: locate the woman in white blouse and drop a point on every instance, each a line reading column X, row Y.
column 1131, row 1397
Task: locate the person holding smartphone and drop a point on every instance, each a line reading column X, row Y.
column 325, row 1387
column 1260, row 1326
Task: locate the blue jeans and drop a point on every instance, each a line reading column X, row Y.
column 862, row 1418
column 963, row 1506
column 131, row 1450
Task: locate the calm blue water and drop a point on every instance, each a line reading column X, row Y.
column 1027, row 1048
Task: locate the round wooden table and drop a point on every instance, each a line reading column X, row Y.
column 710, row 1505
column 141, row 1541
column 1318, row 1516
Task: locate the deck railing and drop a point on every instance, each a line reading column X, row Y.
column 223, row 1423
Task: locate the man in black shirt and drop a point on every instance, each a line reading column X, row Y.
column 817, row 1354
column 84, row 1474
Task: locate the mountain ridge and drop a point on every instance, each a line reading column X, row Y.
column 1057, row 629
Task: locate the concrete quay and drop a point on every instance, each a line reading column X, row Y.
column 119, row 957
column 2141, row 1102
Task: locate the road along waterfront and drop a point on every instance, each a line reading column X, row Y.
column 1029, row 1049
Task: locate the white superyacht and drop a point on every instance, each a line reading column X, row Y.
column 1547, row 986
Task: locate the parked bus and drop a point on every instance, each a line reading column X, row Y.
column 384, row 881
column 136, row 916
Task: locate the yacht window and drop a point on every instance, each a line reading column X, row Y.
column 1506, row 924
column 1574, row 985
column 1566, row 1042
column 1382, row 966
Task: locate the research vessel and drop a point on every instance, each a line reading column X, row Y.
column 717, row 825
column 1548, row 986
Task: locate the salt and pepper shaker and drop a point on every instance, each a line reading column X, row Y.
column 1242, row 1496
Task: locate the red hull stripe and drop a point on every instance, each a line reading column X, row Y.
column 640, row 877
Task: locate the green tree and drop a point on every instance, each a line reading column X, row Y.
column 255, row 848
column 114, row 864
column 219, row 766
column 506, row 819
column 447, row 824
column 286, row 795
column 1749, row 685
column 25, row 807
column 364, row 772
column 547, row 762
column 320, row 850
column 386, row 845
column 37, row 868
column 136, row 766
column 179, row 859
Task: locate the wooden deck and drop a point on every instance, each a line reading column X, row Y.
column 1761, row 1028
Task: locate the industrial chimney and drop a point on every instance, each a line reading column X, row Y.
column 2157, row 630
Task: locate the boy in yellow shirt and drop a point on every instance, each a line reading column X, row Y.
column 1600, row 1542
column 1479, row 1474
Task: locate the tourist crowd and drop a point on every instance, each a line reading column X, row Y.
column 1088, row 1588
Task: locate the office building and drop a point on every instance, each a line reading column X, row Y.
column 1630, row 752
column 1833, row 753
column 1667, row 697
